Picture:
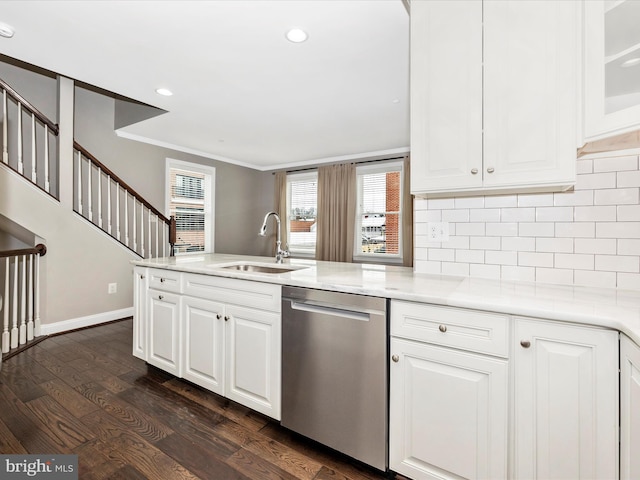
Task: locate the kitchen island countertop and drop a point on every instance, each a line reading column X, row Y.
column 605, row 307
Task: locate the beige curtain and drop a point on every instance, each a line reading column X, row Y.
column 336, row 212
column 407, row 216
column 280, row 206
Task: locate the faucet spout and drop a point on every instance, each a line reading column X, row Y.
column 280, row 253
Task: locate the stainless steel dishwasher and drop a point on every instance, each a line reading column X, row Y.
column 334, row 371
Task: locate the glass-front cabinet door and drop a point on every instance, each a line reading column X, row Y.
column 612, row 68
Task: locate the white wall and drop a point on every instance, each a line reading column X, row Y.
column 589, row 236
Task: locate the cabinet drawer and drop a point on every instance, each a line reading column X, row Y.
column 452, row 327
column 165, row 280
column 264, row 296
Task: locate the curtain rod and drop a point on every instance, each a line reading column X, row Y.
column 307, row 169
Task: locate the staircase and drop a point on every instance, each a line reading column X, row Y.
column 100, row 197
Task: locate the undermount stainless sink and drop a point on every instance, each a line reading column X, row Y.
column 258, row 268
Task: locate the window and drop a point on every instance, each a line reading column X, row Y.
column 190, row 200
column 379, row 214
column 302, row 208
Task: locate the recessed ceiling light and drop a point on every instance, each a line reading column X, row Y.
column 165, row 92
column 6, row 30
column 632, row 62
column 296, row 35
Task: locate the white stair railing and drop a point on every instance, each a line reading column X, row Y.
column 33, row 133
column 20, row 291
column 106, row 201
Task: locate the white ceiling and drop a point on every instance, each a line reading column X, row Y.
column 242, row 92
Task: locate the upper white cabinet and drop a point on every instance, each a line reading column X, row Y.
column 612, row 68
column 565, row 401
column 494, row 96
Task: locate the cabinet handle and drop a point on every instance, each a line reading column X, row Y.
column 442, row 328
column 226, row 318
column 525, row 343
column 395, row 358
column 218, row 316
column 161, row 280
column 474, row 171
column 490, row 170
column 160, row 297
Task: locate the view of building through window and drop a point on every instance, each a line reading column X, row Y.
column 187, row 204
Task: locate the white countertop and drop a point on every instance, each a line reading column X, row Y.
column 610, row 308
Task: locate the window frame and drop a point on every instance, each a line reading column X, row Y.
column 368, row 169
column 303, row 252
column 208, row 201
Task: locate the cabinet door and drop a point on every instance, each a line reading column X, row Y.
column 612, row 92
column 448, row 413
column 140, row 286
column 203, row 343
column 163, row 318
column 531, row 61
column 629, row 409
column 253, row 359
column 565, row 401
column 446, row 95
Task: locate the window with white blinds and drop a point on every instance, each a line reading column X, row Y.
column 379, row 215
column 302, row 208
column 190, row 201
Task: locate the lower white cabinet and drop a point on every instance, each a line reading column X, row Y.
column 163, row 321
column 565, row 403
column 448, row 413
column 629, row 409
column 448, row 406
column 140, row 286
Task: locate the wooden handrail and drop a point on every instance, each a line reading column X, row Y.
column 25, row 103
column 39, row 249
column 121, row 182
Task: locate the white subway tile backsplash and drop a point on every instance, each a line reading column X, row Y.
column 603, row 246
column 554, row 245
column 618, row 263
column 615, row 164
column 595, row 214
column 594, row 181
column 618, row 196
column 588, row 236
column 575, row 261
column 554, row 214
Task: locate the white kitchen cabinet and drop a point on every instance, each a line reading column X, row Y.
column 203, row 323
column 448, row 407
column 164, row 340
column 140, row 286
column 253, row 343
column 612, row 74
column 494, row 96
column 629, row 409
column 565, row 403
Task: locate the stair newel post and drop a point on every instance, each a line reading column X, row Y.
column 47, row 185
column 99, row 197
column 23, row 303
column 20, row 163
column 172, row 235
column 42, row 250
column 5, row 323
column 14, row 303
column 5, row 135
column 30, row 298
column 34, row 158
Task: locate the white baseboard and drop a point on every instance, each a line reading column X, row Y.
column 88, row 321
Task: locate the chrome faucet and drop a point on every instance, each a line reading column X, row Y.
column 280, row 253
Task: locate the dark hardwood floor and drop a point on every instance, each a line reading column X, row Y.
column 84, row 393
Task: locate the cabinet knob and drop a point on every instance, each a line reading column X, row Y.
column 218, row 316
column 160, row 297
column 395, row 358
column 226, row 318
column 141, row 277
column 490, row 170
column 161, row 280
column 442, row 328
column 474, row 171
column 525, row 343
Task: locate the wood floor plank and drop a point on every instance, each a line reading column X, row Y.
column 8, row 441
column 67, row 396
column 257, row 468
column 21, row 385
column 92, row 464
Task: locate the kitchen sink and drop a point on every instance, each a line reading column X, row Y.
column 258, row 268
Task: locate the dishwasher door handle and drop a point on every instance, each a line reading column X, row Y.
column 326, row 310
